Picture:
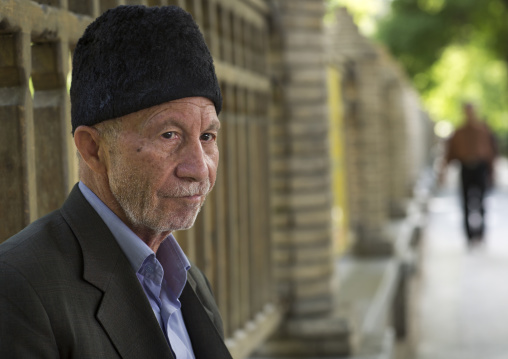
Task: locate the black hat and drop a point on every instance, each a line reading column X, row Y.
column 135, row 57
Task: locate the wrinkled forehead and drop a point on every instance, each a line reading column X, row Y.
column 190, row 110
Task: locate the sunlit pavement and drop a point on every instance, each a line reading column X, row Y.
column 460, row 292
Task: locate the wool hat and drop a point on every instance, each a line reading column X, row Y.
column 135, row 57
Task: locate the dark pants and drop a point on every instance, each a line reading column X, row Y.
column 474, row 178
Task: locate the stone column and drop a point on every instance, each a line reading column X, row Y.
column 301, row 185
column 366, row 135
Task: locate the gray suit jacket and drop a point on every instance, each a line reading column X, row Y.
column 68, row 291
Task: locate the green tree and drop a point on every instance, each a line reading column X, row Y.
column 461, row 74
column 418, row 31
column 454, row 50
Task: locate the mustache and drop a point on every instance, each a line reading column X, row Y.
column 188, row 189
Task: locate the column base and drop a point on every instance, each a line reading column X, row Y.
column 310, row 337
column 374, row 248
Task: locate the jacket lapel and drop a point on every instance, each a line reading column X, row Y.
column 129, row 321
column 207, row 343
column 124, row 312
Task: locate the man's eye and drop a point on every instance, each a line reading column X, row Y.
column 168, row 135
column 207, row 137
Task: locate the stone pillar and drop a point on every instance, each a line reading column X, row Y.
column 397, row 143
column 372, row 162
column 301, row 185
column 365, row 133
column 397, row 153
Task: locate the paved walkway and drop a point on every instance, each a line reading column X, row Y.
column 460, row 293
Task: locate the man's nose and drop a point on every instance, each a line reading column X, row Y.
column 193, row 163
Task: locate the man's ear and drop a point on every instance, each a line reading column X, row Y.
column 88, row 143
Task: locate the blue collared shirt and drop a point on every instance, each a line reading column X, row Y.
column 162, row 275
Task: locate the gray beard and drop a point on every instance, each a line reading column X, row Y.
column 137, row 200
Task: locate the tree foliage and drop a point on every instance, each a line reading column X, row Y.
column 418, row 31
column 454, row 50
column 461, row 75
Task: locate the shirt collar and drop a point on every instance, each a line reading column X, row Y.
column 175, row 265
column 170, row 255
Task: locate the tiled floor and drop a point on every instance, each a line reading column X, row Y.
column 460, row 293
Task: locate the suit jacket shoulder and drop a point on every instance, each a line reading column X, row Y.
column 67, row 290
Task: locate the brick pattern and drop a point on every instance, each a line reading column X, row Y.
column 300, row 158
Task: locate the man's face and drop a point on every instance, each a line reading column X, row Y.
column 164, row 163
